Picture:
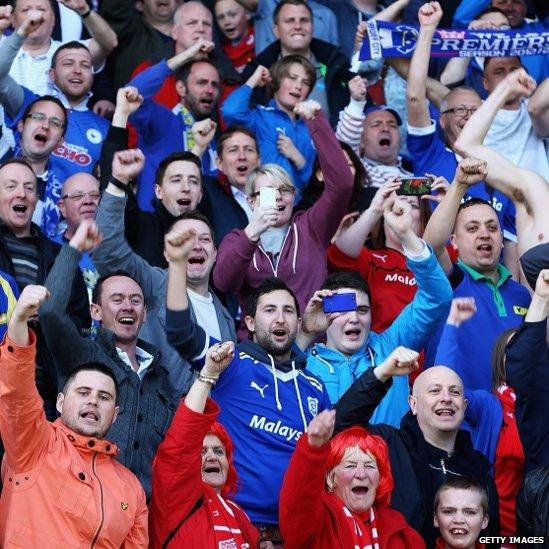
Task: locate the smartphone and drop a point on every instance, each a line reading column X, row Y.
column 267, row 196
column 339, row 303
column 415, row 186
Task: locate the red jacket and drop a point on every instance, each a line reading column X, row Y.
column 177, row 486
column 61, row 489
column 311, row 519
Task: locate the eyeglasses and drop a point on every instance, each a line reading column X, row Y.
column 41, row 117
column 77, row 196
column 284, row 190
column 461, row 111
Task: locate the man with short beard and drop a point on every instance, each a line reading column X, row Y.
column 266, row 399
column 145, row 394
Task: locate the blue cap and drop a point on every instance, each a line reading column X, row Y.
column 375, row 108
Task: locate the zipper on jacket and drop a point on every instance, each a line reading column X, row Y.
column 99, row 528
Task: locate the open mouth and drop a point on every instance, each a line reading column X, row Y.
column 212, row 469
column 76, row 81
column 127, row 320
column 445, row 412
column 385, row 142
column 197, row 260
column 458, row 531
column 90, row 416
column 360, row 490
column 279, row 333
column 295, row 95
column 485, row 249
column 184, row 202
column 352, row 333
column 40, row 138
column 207, row 102
column 281, row 208
column 19, row 208
column 242, row 169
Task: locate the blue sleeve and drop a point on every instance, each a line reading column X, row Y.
column 447, row 350
column 467, row 11
column 12, row 121
column 429, row 155
column 236, row 108
column 420, row 318
column 151, row 119
column 475, row 405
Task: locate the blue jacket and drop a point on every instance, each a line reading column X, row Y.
column 267, row 123
column 412, row 328
column 160, row 131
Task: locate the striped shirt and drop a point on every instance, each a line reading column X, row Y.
column 24, row 255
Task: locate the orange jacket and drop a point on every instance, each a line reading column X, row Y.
column 61, row 489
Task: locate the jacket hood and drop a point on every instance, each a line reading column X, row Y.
column 259, row 353
column 337, row 359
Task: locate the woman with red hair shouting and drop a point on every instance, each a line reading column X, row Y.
column 193, row 473
column 337, row 494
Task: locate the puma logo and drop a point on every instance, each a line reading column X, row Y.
column 254, row 385
column 382, row 257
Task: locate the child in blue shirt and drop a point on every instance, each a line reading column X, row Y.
column 283, row 138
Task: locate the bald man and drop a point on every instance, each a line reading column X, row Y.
column 428, row 448
column 79, row 200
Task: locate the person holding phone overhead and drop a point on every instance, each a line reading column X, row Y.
column 278, row 242
column 351, row 346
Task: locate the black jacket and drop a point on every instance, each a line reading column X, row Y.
column 337, row 74
column 415, row 463
column 221, row 208
column 145, row 231
column 78, row 310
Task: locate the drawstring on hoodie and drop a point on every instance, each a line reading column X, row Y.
column 298, row 394
column 278, row 404
column 294, row 258
column 296, row 238
column 299, row 398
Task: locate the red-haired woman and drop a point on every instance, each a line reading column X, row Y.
column 193, row 473
column 337, row 494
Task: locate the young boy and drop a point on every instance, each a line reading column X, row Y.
column 283, row 138
column 461, row 512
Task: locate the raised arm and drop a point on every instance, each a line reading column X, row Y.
column 236, row 107
column 62, row 336
column 114, row 252
column 301, row 498
column 12, row 95
column 528, row 190
column 416, row 92
column 351, row 241
column 357, row 405
column 103, row 37
column 177, row 477
column 325, row 215
column 441, row 224
column 351, row 119
column 538, row 107
column 23, row 425
column 183, row 333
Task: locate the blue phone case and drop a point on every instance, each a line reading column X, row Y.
column 340, row 303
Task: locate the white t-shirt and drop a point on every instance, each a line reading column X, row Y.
column 513, row 136
column 206, row 316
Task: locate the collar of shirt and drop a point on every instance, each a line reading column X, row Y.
column 504, row 274
column 241, row 198
column 23, row 54
column 144, row 360
column 83, row 106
